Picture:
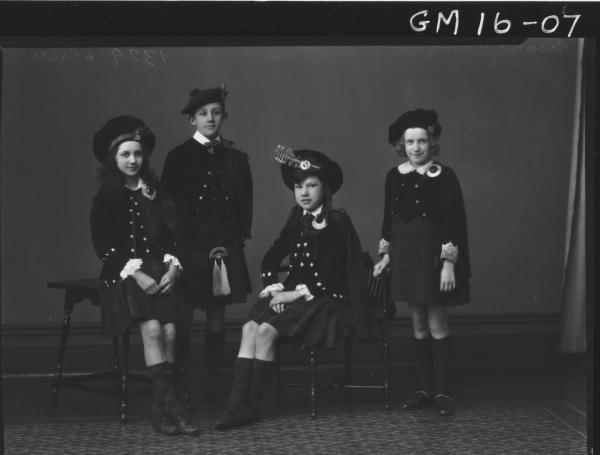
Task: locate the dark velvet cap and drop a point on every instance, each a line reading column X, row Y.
column 122, row 129
column 419, row 118
column 199, row 98
column 329, row 170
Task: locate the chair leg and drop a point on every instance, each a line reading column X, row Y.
column 312, row 360
column 278, row 384
column 64, row 334
column 124, row 371
column 116, row 365
column 386, row 364
column 348, row 368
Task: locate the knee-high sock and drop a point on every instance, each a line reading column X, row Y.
column 424, row 356
column 441, row 364
column 241, row 382
column 261, row 373
column 164, row 393
column 213, row 347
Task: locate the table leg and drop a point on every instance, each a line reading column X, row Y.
column 68, row 306
column 312, row 361
column 116, row 365
column 124, row 369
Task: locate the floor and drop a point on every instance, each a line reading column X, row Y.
column 514, row 409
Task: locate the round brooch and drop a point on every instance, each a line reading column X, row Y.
column 148, row 192
column 319, row 225
column 434, row 170
column 304, row 165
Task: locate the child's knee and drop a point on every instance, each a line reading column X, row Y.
column 249, row 330
column 438, row 327
column 151, row 331
column 170, row 333
column 266, row 335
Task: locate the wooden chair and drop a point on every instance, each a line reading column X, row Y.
column 77, row 291
column 379, row 292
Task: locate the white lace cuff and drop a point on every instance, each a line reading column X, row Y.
column 384, row 247
column 278, row 287
column 305, row 292
column 449, row 252
column 132, row 266
column 170, row 259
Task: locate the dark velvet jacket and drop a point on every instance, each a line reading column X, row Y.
column 127, row 225
column 437, row 197
column 328, row 261
column 204, row 185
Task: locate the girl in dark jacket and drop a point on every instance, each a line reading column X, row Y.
column 326, row 279
column 424, row 239
column 132, row 231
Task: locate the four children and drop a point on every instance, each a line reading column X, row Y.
column 148, row 240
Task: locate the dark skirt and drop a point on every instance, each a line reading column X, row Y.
column 197, row 267
column 126, row 304
column 416, row 266
column 317, row 322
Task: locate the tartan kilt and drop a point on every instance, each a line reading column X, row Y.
column 197, row 267
column 317, row 322
column 125, row 304
column 416, row 265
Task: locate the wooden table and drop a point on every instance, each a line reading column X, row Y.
column 77, row 291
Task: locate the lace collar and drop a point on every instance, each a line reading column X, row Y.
column 407, row 168
column 146, row 190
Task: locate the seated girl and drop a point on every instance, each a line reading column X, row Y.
column 133, row 234
column 326, row 278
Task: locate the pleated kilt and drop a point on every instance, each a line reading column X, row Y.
column 126, row 304
column 317, row 322
column 197, row 267
column 416, row 265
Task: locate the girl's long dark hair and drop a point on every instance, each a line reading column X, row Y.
column 111, row 179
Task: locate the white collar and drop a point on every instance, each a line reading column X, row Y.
column 140, row 184
column 407, row 168
column 315, row 212
column 202, row 139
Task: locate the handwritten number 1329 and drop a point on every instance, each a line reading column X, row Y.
column 148, row 56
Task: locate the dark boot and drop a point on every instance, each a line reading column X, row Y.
column 181, row 389
column 261, row 373
column 424, row 357
column 441, row 363
column 162, row 377
column 238, row 412
column 213, row 347
column 160, row 421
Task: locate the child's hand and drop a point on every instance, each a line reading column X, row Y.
column 146, row 282
column 280, row 299
column 447, row 280
column 381, row 265
column 168, row 280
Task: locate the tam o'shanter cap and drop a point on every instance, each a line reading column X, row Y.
column 199, row 98
column 311, row 162
column 419, row 118
column 122, row 129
